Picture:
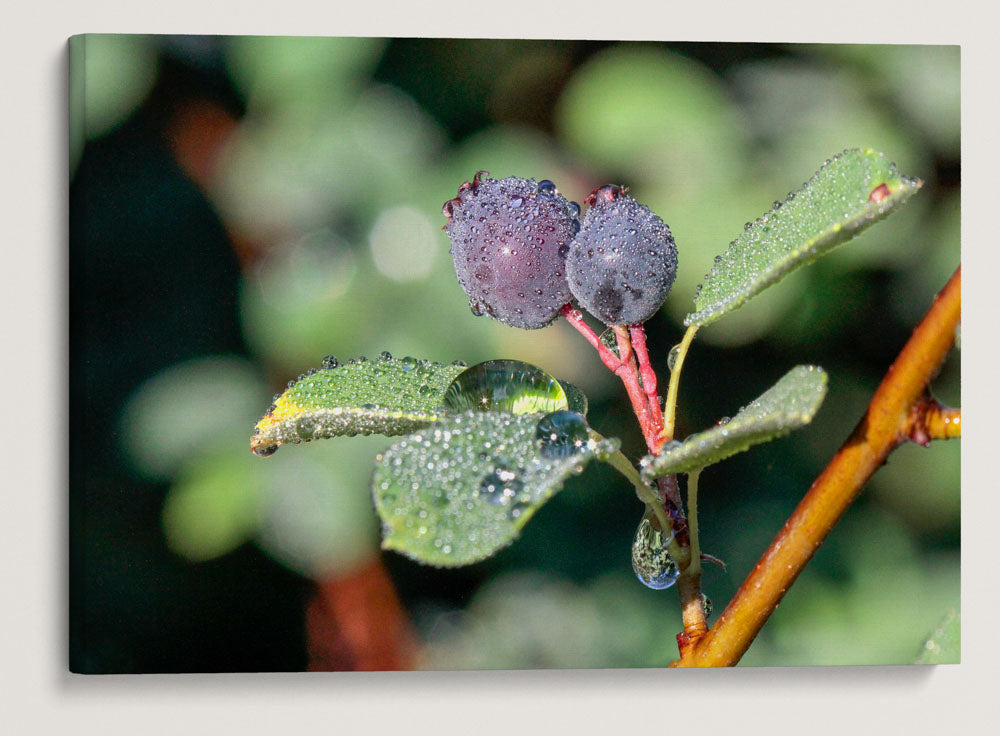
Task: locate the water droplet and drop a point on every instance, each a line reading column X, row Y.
column 476, row 308
column 505, row 385
column 265, row 450
column 724, row 420
column 501, row 486
column 459, row 363
column 574, row 210
column 651, row 561
column 385, row 355
column 546, row 188
column 516, row 201
column 562, row 433
column 706, row 605
column 330, row 361
column 672, row 356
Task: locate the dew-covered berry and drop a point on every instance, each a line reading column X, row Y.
column 623, row 261
column 509, row 239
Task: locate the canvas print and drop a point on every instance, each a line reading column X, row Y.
column 452, row 354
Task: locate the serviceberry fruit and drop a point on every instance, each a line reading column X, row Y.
column 509, row 240
column 622, row 262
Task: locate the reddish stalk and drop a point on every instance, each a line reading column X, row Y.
column 638, row 335
column 633, row 363
column 624, row 368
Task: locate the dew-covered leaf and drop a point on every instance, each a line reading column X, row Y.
column 850, row 192
column 944, row 645
column 789, row 404
column 460, row 490
column 386, row 395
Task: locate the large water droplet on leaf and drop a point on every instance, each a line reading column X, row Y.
column 506, row 386
column 651, row 561
column 562, row 433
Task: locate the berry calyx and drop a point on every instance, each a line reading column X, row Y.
column 509, row 240
column 623, row 261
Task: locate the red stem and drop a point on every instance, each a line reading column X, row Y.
column 624, row 368
column 638, row 335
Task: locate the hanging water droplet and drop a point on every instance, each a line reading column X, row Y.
column 562, row 433
column 330, row 361
column 265, row 450
column 651, row 561
column 501, row 486
column 476, row 308
column 672, row 356
column 505, row 385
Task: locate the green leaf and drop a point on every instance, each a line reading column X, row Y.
column 459, row 491
column 384, row 396
column 789, row 404
column 944, row 645
column 575, row 398
column 851, row 191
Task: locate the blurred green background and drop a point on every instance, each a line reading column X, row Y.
column 241, row 207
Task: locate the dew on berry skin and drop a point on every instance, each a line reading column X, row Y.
column 546, row 188
column 512, row 250
column 619, row 244
column 385, row 355
column 573, row 209
column 330, row 361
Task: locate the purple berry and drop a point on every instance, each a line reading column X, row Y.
column 509, row 239
column 623, row 261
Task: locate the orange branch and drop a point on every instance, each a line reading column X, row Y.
column 884, row 426
column 931, row 421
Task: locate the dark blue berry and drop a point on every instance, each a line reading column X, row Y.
column 509, row 239
column 623, row 261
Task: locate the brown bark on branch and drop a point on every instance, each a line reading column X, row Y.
column 887, row 422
